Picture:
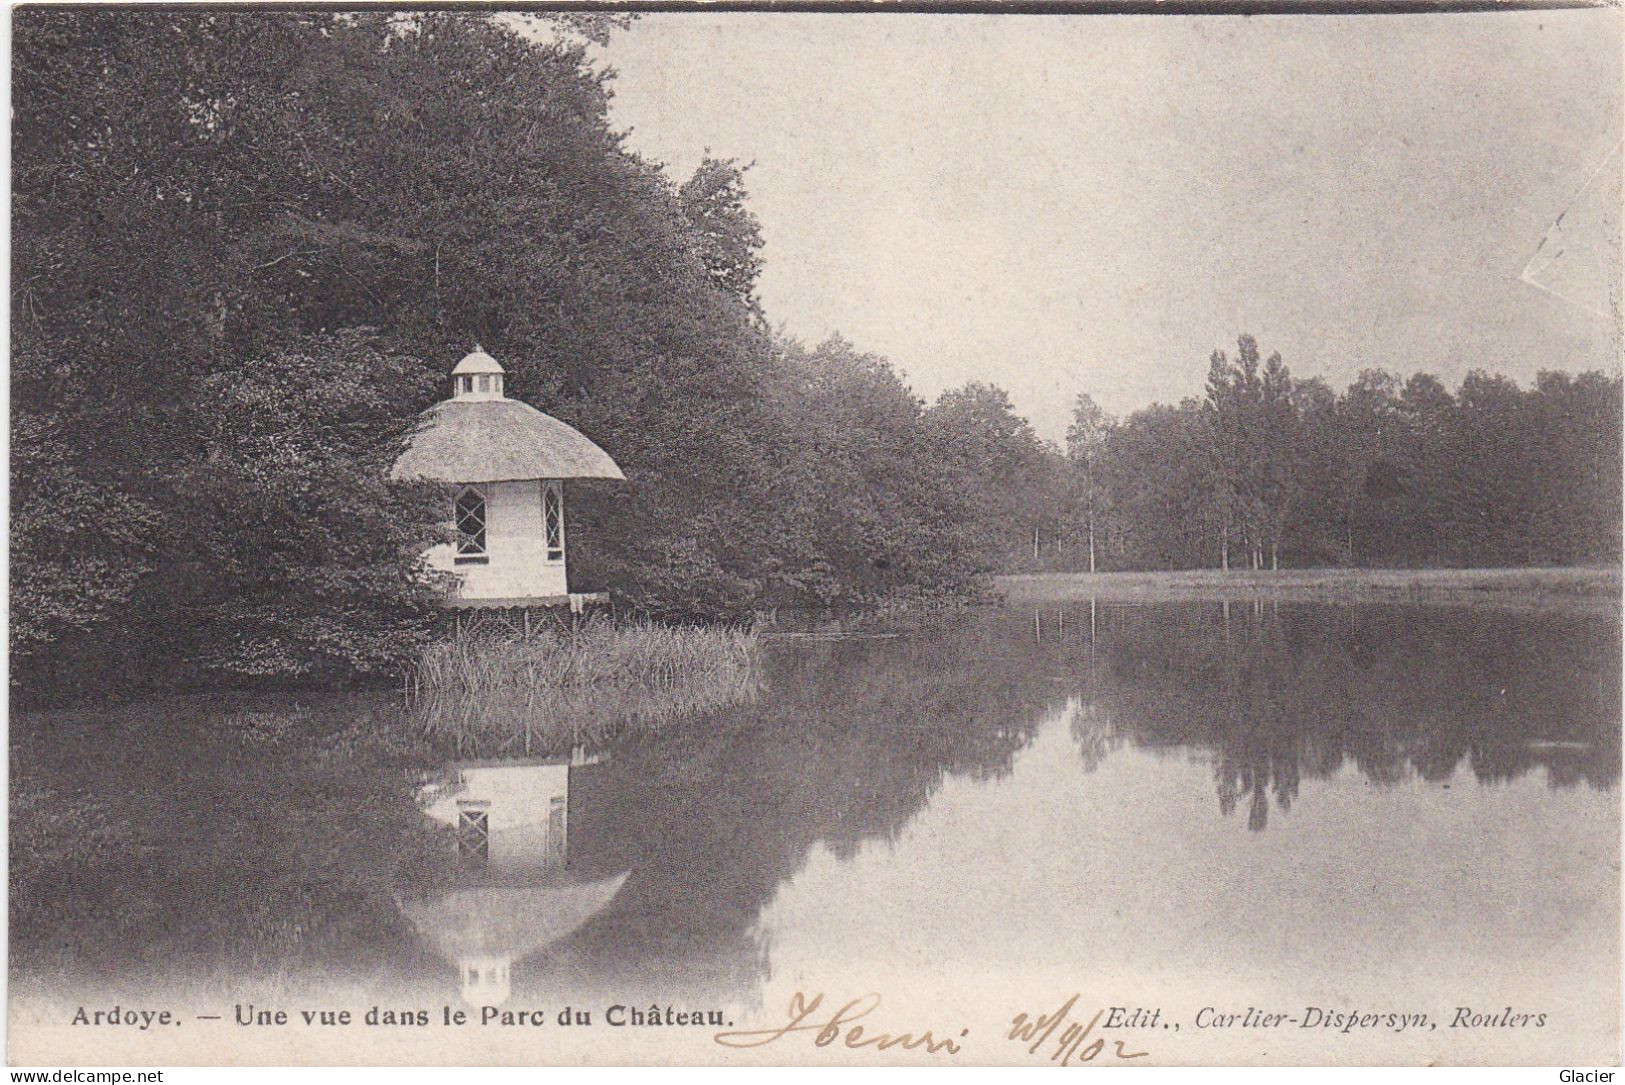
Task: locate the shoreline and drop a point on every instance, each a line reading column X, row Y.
column 1589, row 589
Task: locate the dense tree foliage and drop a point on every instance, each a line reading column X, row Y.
column 1016, row 500
column 730, row 238
column 1268, row 470
column 869, row 508
column 247, row 247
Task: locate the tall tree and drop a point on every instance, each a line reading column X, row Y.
column 1249, row 410
column 1369, row 423
column 1000, row 463
column 1279, row 454
column 729, row 237
column 1086, row 440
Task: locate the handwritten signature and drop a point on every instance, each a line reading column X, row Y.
column 841, row 1025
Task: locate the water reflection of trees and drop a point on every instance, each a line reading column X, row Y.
column 849, row 741
column 1279, row 693
column 247, row 842
column 277, row 834
column 277, row 837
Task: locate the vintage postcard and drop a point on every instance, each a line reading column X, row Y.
column 1064, row 536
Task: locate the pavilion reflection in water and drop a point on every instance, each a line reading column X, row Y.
column 515, row 893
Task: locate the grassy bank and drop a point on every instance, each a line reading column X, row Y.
column 497, row 691
column 1570, row 588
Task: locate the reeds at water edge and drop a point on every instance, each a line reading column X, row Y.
column 495, row 690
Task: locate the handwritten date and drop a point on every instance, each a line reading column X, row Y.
column 1070, row 1043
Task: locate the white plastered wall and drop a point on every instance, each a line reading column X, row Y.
column 517, row 565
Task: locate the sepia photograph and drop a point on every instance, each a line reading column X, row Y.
column 847, row 535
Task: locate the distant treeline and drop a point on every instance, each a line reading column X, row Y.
column 1267, row 470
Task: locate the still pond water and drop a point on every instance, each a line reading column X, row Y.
column 1245, row 804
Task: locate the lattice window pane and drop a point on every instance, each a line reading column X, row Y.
column 473, row 834
column 553, row 518
column 470, row 520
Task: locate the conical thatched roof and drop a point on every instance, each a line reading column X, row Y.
column 498, row 440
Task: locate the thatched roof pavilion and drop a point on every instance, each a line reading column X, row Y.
column 507, row 463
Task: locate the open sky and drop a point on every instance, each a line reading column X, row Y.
column 1094, row 203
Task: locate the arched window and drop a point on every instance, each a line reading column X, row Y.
column 469, row 516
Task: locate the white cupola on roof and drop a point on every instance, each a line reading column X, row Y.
column 477, row 376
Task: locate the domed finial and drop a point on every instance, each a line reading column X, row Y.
column 478, row 376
